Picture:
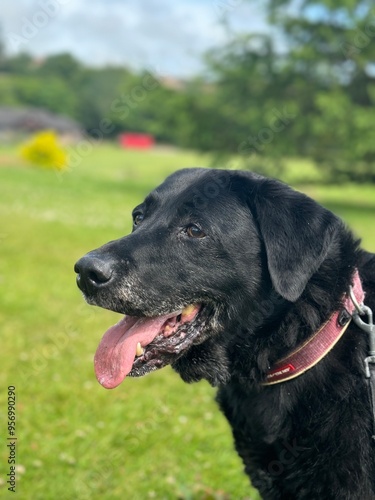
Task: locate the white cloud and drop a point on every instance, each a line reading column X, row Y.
column 167, row 35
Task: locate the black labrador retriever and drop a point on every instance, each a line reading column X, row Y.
column 240, row 280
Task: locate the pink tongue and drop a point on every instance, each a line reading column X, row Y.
column 115, row 355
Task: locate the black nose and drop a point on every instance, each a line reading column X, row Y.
column 93, row 272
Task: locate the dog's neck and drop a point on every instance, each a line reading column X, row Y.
column 308, row 354
column 296, row 322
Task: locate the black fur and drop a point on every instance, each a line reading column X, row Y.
column 272, row 268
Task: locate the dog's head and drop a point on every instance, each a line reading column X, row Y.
column 206, row 247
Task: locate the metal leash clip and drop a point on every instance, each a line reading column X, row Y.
column 368, row 327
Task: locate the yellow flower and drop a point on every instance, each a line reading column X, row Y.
column 45, row 151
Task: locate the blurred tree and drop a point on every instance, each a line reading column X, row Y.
column 330, row 65
column 246, row 90
column 142, row 103
column 247, row 108
column 20, row 64
column 63, row 66
column 54, row 94
column 97, row 90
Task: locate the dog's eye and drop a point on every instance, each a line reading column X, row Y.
column 137, row 218
column 194, row 231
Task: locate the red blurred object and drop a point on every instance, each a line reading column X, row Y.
column 136, row 141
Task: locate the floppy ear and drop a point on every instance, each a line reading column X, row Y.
column 297, row 233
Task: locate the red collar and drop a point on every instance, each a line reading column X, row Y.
column 315, row 348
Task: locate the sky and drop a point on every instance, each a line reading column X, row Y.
column 168, row 36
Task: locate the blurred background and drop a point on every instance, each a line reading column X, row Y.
column 99, row 101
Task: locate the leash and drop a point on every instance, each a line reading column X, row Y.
column 369, row 361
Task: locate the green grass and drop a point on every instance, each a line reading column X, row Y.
column 154, row 437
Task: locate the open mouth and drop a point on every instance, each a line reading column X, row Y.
column 137, row 345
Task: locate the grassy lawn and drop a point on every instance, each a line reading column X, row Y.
column 154, row 437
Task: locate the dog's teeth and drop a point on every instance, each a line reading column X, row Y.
column 188, row 310
column 167, row 330
column 139, row 351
